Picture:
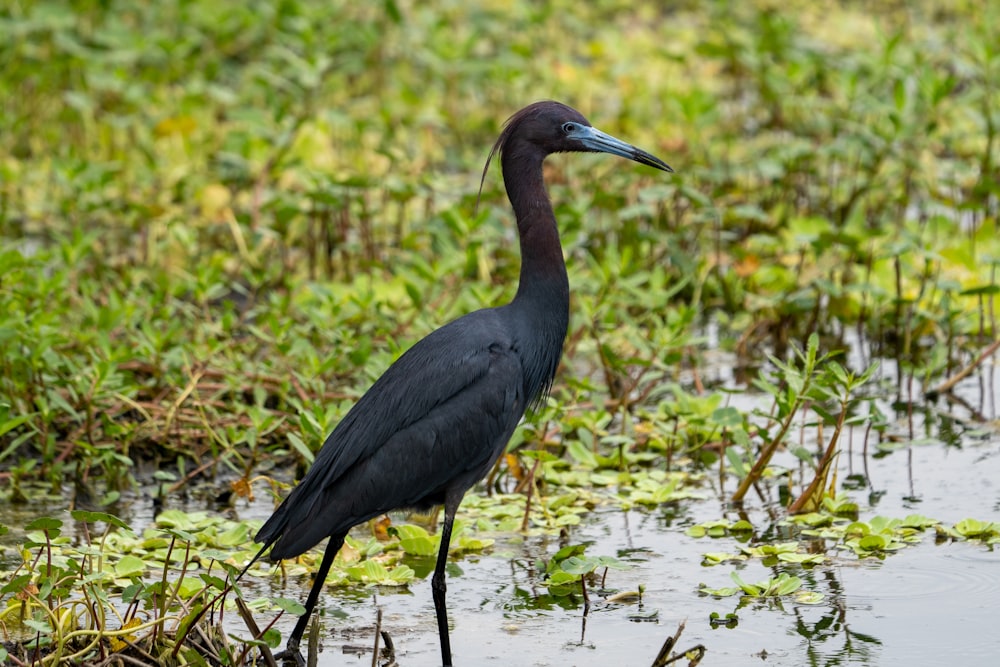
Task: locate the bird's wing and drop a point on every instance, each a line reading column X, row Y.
column 473, row 351
column 444, row 453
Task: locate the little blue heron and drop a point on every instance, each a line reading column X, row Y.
column 439, row 418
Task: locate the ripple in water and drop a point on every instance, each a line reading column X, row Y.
column 938, row 600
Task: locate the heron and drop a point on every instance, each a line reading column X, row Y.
column 436, row 422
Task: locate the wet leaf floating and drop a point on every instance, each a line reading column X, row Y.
column 130, row 566
column 782, row 585
column 972, row 529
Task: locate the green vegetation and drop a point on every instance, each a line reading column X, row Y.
column 63, row 591
column 220, row 221
column 778, row 586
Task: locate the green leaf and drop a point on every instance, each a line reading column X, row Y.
column 131, row 592
column 272, row 636
column 567, row 551
column 715, row 558
column 748, row 589
column 578, row 565
column 809, row 597
column 212, row 581
column 918, row 521
column 719, row 592
column 289, row 606
column 561, row 578
column 191, row 617
column 872, row 542
column 130, row 566
column 38, row 626
column 98, row 517
column 582, row 454
column 736, row 461
column 415, row 540
column 727, row 417
column 45, row 523
column 785, row 585
column 301, row 448
column 235, row 536
column 802, row 559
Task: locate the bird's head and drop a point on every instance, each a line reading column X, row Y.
column 557, row 128
column 549, row 127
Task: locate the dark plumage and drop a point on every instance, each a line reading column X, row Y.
column 439, row 418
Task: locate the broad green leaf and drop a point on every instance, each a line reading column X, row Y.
column 130, row 566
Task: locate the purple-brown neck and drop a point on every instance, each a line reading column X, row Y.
column 542, row 301
column 543, row 270
column 539, row 314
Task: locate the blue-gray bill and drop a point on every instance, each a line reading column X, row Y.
column 600, row 142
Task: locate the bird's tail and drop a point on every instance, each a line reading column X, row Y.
column 260, row 552
column 268, row 534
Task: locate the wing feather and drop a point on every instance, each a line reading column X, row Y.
column 437, row 416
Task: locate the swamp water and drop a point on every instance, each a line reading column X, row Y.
column 926, row 604
column 935, row 602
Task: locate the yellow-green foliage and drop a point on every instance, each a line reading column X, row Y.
column 220, row 220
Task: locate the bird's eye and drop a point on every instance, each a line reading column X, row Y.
column 568, row 127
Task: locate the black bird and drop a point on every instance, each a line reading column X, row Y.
column 439, row 418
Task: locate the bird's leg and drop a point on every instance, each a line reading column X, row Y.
column 438, row 585
column 292, row 651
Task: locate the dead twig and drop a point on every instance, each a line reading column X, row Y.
column 247, row 616
column 811, row 497
column 663, row 658
column 313, row 658
column 378, row 634
column 949, row 384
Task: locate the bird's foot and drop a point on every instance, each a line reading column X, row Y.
column 291, row 654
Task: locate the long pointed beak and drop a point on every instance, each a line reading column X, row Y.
column 597, row 141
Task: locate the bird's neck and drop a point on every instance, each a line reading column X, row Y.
column 543, row 270
column 542, row 299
